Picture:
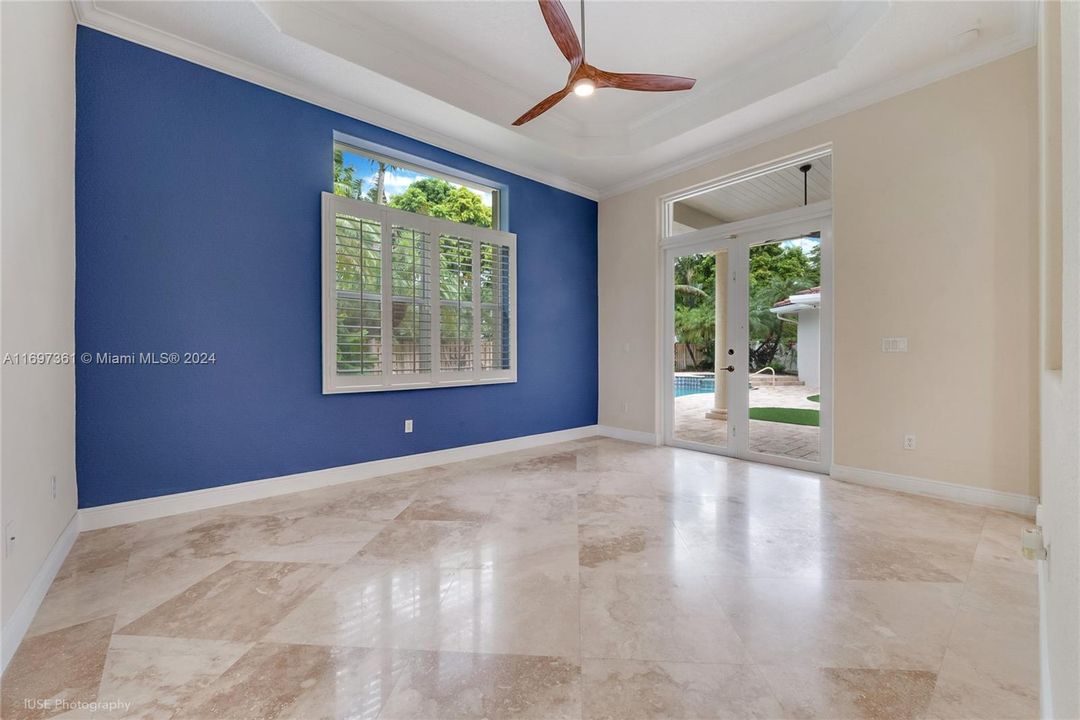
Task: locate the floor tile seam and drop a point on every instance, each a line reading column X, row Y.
column 960, row 599
column 68, row 626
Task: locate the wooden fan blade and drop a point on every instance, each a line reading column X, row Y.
column 543, row 106
column 562, row 30
column 643, row 81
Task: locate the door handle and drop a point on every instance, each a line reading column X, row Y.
column 730, row 368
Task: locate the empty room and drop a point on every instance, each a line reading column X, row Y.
column 546, row 359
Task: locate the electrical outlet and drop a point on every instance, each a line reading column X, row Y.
column 9, row 539
column 408, row 425
column 909, row 442
column 53, row 487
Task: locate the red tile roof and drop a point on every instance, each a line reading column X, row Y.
column 808, row 291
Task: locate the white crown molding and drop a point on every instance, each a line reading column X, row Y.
column 966, row 494
column 771, row 70
column 16, row 626
column 90, row 15
column 373, row 44
column 1007, row 45
column 400, row 54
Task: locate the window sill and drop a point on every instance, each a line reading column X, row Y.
column 472, row 382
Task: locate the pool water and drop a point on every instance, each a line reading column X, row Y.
column 694, row 384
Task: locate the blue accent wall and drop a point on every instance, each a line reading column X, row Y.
column 198, row 212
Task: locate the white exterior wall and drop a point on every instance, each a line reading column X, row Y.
column 809, row 347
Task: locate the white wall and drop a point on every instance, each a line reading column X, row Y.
column 1060, row 358
column 935, row 235
column 37, row 285
column 808, row 345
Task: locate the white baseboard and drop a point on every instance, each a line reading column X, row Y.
column 635, row 436
column 149, row 508
column 1010, row 502
column 156, row 507
column 15, row 628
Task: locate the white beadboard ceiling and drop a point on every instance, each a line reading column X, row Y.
column 456, row 72
column 772, row 192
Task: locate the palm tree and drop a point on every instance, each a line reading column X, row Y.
column 345, row 181
column 765, row 325
column 695, row 311
column 380, row 181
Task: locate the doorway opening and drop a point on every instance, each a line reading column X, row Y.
column 749, row 317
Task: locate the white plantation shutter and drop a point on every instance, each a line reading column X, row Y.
column 456, row 303
column 358, row 292
column 494, row 306
column 411, row 301
column 410, row 270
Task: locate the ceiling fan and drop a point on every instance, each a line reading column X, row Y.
column 584, row 78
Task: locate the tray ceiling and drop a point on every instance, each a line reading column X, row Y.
column 457, row 72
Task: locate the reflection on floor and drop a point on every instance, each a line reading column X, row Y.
column 593, row 579
column 773, row 438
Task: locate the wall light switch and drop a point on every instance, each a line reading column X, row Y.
column 894, row 344
column 408, row 426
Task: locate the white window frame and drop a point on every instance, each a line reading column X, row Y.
column 387, row 217
column 428, row 168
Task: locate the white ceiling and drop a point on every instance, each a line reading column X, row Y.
column 456, row 72
column 781, row 189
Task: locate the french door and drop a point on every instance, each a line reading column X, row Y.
column 748, row 339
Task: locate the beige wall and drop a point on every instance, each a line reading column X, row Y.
column 37, row 284
column 935, row 223
column 1060, row 377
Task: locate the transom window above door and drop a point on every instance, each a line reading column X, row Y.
column 786, row 184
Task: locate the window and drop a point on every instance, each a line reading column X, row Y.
column 378, row 178
column 411, row 301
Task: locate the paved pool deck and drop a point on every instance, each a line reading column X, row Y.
column 792, row 441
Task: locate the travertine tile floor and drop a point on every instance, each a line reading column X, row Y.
column 593, row 579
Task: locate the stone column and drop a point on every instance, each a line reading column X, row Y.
column 721, row 358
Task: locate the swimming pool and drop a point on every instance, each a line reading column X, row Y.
column 694, row 384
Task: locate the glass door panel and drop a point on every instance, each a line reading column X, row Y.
column 701, row 353
column 784, row 328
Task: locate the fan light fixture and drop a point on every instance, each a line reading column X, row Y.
column 584, row 87
column 584, row 78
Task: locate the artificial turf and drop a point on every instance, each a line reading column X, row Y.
column 791, row 416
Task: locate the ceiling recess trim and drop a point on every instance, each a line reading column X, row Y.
column 88, row 14
column 1024, row 38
